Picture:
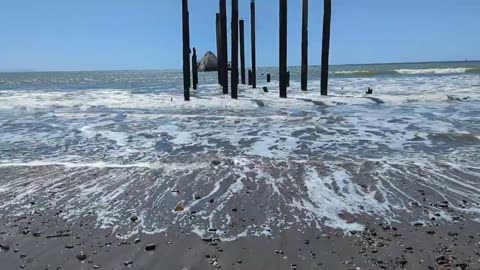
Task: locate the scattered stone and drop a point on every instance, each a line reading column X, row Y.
column 37, row 234
column 127, row 263
column 179, row 208
column 418, row 224
column 150, row 247
column 96, row 266
column 431, row 232
column 265, row 89
column 207, row 239
column 234, row 210
column 216, row 162
column 198, row 197
column 134, row 219
column 216, row 264
column 441, row 260
column 81, row 257
column 136, row 241
column 69, row 246
column 211, row 200
column 4, row 247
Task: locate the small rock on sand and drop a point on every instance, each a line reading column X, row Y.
column 179, row 208
column 81, row 257
column 150, row 247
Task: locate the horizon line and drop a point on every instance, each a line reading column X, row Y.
column 179, row 69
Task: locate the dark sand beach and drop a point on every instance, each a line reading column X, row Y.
column 44, row 241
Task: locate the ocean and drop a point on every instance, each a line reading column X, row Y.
column 119, row 143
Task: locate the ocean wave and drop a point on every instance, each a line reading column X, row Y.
column 423, row 71
column 437, row 71
column 357, row 73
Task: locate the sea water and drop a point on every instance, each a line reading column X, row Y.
column 123, row 143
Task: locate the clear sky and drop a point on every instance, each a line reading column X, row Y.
column 146, row 34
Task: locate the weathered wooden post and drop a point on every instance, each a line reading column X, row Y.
column 195, row 69
column 219, row 49
column 234, row 32
column 253, row 44
column 304, row 79
column 224, row 53
column 269, row 77
column 186, row 50
column 283, row 49
column 250, row 81
column 242, row 51
column 327, row 18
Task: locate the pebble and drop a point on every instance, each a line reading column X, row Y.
column 4, row 247
column 136, row 241
column 216, row 162
column 150, row 247
column 81, row 257
column 134, row 219
column 179, row 208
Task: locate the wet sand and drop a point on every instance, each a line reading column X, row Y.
column 42, row 240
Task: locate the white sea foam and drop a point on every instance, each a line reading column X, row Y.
column 432, row 71
column 293, row 163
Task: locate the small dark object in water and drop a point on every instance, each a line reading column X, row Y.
column 369, row 91
column 265, row 89
column 216, row 162
column 134, row 219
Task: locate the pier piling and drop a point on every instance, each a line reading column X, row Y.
column 186, row 50
column 242, row 51
column 195, row 69
column 269, row 77
column 250, row 77
column 327, row 17
column 219, row 49
column 253, row 44
column 283, row 49
column 223, row 45
column 304, row 76
column 234, row 32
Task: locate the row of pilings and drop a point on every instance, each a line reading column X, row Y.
column 238, row 43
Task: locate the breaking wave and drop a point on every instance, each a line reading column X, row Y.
column 424, row 71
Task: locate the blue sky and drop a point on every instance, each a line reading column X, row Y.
column 146, row 34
